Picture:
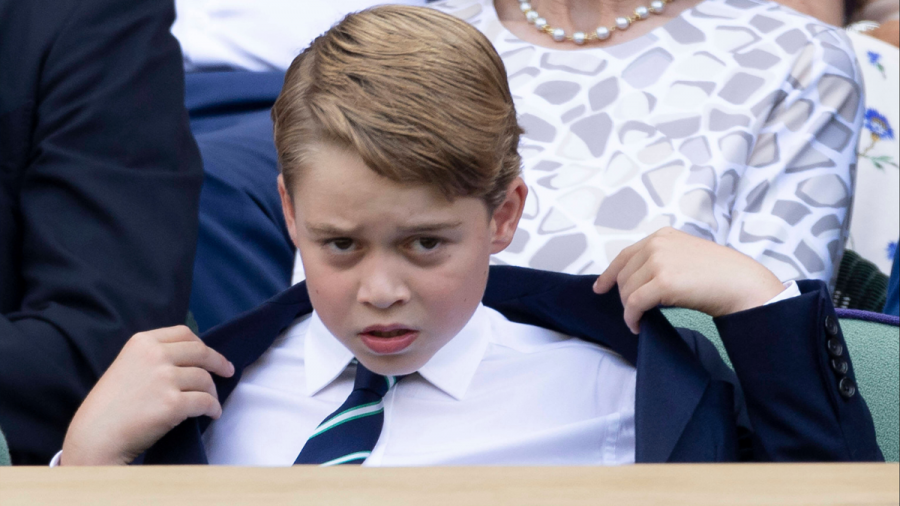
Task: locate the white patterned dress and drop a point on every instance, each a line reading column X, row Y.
column 736, row 121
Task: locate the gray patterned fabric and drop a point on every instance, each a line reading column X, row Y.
column 737, row 121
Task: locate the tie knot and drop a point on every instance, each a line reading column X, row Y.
column 375, row 383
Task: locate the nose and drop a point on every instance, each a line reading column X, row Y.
column 381, row 287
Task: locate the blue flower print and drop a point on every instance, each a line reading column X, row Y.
column 875, row 61
column 878, row 125
column 879, row 129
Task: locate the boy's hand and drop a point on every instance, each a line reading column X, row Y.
column 159, row 379
column 676, row 269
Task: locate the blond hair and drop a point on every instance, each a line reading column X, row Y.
column 419, row 95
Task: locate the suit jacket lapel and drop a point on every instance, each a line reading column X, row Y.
column 242, row 341
column 670, row 379
column 563, row 303
column 670, row 384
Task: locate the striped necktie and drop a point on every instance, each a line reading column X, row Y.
column 348, row 435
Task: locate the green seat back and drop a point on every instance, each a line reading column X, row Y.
column 875, row 350
column 4, row 451
column 859, row 284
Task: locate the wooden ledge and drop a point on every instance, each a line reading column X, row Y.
column 671, row 485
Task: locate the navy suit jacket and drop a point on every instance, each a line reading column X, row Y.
column 99, row 186
column 783, row 404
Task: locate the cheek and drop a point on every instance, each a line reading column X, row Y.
column 327, row 287
column 453, row 293
column 332, row 295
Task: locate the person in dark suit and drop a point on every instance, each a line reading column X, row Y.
column 398, row 141
column 99, row 186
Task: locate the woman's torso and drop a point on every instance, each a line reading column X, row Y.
column 735, row 121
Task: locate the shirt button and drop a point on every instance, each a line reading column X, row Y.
column 835, row 348
column 840, row 366
column 831, row 326
column 847, row 387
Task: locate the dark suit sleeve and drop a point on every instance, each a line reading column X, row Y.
column 108, row 207
column 801, row 406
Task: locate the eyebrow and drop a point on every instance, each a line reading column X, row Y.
column 431, row 227
column 332, row 230
column 329, row 230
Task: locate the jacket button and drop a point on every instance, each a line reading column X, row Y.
column 840, row 366
column 847, row 387
column 835, row 348
column 831, row 326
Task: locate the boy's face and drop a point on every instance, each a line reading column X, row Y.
column 394, row 271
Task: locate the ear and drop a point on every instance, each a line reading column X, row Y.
column 287, row 207
column 505, row 219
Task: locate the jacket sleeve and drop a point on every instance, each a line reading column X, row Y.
column 108, row 212
column 798, row 381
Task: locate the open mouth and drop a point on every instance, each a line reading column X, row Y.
column 388, row 340
column 392, row 333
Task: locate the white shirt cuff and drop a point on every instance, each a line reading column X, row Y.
column 56, row 459
column 791, row 290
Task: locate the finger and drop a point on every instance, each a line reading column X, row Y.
column 639, row 302
column 634, row 280
column 608, row 278
column 193, row 404
column 198, row 354
column 194, row 379
column 637, row 261
column 179, row 333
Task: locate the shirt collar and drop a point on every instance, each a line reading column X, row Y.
column 324, row 357
column 451, row 369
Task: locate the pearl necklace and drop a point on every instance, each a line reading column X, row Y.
column 601, row 33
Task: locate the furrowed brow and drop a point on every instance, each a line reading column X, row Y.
column 321, row 229
column 425, row 228
column 327, row 230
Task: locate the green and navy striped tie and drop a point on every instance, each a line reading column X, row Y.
column 348, row 435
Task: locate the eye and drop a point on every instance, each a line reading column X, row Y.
column 341, row 244
column 426, row 243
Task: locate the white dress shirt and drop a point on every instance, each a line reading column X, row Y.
column 498, row 393
column 256, row 35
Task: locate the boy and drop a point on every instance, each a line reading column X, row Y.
column 397, row 138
